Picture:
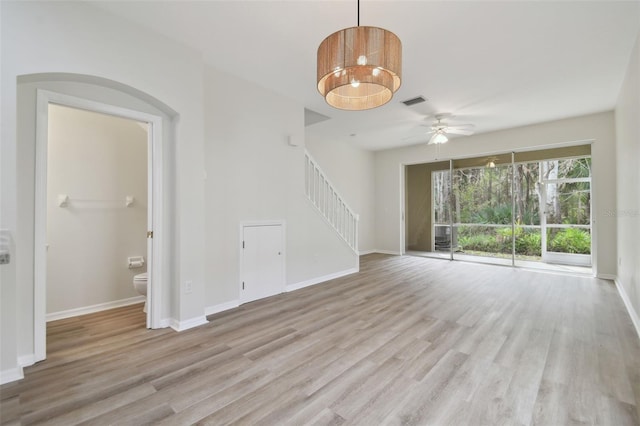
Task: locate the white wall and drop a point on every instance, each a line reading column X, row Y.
column 26, row 134
column 62, row 37
column 96, row 160
column 627, row 211
column 596, row 127
column 351, row 170
column 254, row 175
column 251, row 173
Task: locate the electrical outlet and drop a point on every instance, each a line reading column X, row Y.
column 188, row 287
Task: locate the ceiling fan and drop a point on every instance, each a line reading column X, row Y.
column 491, row 162
column 441, row 129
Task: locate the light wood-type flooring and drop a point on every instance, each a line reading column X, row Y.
column 408, row 340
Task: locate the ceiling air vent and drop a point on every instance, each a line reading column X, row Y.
column 413, row 101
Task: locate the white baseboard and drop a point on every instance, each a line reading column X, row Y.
column 190, row 323
column 318, row 280
column 606, row 277
column 365, row 252
column 627, row 303
column 165, row 323
column 220, row 307
column 11, row 375
column 395, row 253
column 26, row 360
column 94, row 308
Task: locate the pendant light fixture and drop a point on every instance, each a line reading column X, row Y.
column 359, row 68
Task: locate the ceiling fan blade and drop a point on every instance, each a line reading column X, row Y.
column 461, row 126
column 454, row 131
column 418, row 139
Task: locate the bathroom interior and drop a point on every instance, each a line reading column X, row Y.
column 96, row 212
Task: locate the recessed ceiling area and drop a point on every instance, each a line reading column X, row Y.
column 496, row 64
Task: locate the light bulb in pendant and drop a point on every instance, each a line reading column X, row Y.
column 355, row 83
column 362, row 60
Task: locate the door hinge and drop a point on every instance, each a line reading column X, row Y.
column 243, row 285
column 149, row 234
column 243, row 244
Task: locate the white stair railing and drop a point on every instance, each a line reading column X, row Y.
column 329, row 203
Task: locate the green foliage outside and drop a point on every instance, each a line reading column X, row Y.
column 498, row 215
column 528, row 241
column 571, row 240
column 491, row 196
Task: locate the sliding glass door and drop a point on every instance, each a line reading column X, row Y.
column 520, row 209
column 482, row 213
column 565, row 194
column 443, row 239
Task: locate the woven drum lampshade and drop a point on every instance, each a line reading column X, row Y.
column 359, row 68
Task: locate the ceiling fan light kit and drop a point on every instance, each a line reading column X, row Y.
column 438, row 137
column 441, row 130
column 359, row 68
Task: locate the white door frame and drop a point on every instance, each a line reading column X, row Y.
column 154, row 207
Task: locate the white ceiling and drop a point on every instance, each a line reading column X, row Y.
column 493, row 64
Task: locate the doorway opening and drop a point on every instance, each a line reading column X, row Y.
column 96, row 211
column 529, row 209
column 100, row 202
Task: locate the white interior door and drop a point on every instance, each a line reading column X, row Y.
column 262, row 262
column 150, row 289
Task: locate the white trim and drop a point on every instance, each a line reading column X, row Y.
column 11, row 375
column 94, row 308
column 365, row 252
column 43, row 99
column 155, row 221
column 221, row 307
column 403, row 208
column 26, row 360
column 611, row 277
column 395, row 253
column 318, row 280
column 262, row 223
column 190, row 323
column 40, row 229
column 635, row 319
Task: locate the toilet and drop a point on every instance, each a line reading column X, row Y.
column 140, row 284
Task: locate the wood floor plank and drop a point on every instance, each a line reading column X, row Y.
column 87, row 412
column 407, row 340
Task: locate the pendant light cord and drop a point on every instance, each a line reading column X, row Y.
column 358, row 12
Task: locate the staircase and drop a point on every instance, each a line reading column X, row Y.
column 329, row 203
